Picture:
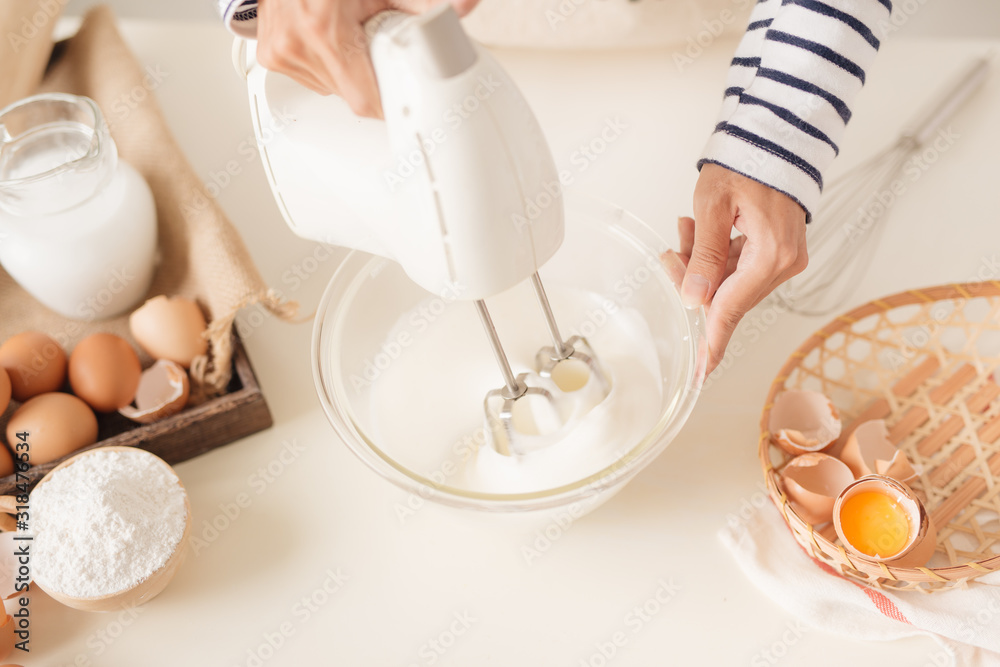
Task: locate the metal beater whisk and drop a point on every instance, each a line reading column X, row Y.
column 848, row 224
column 500, row 404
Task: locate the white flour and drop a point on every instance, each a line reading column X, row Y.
column 105, row 523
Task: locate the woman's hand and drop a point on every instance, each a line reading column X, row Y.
column 735, row 274
column 322, row 44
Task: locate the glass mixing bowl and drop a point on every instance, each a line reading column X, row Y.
column 372, row 315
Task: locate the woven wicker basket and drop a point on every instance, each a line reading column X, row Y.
column 927, row 362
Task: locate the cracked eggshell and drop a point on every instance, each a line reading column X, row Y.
column 922, row 540
column 813, row 482
column 163, row 391
column 869, row 451
column 170, row 328
column 803, row 421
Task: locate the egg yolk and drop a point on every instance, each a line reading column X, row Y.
column 874, row 524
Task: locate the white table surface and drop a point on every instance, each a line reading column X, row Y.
column 407, row 580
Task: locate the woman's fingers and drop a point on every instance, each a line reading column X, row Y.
column 322, row 44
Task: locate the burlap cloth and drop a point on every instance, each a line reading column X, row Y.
column 201, row 256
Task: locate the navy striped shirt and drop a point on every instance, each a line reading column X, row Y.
column 792, row 80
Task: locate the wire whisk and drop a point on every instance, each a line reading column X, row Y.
column 850, row 219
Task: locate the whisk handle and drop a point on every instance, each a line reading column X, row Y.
column 927, row 123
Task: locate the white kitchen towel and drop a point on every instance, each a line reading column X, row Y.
column 965, row 622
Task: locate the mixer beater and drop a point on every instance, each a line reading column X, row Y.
column 566, row 367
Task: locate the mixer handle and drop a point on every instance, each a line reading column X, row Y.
column 927, row 123
column 449, row 50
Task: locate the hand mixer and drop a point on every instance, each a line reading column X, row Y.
column 442, row 186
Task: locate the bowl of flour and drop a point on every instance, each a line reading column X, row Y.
column 110, row 528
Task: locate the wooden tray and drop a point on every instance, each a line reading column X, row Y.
column 240, row 412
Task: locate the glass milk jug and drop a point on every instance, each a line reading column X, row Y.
column 77, row 225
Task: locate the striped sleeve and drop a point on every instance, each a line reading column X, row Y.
column 792, row 80
column 240, row 16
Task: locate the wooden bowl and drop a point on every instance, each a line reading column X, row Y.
column 149, row 587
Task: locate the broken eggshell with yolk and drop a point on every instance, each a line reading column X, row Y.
column 869, row 451
column 803, row 421
column 812, row 483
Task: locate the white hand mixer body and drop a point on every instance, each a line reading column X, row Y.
column 442, row 185
column 447, row 186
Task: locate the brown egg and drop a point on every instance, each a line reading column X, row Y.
column 170, row 328
column 57, row 424
column 104, row 371
column 35, row 364
column 7, row 637
column 6, row 462
column 4, row 390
